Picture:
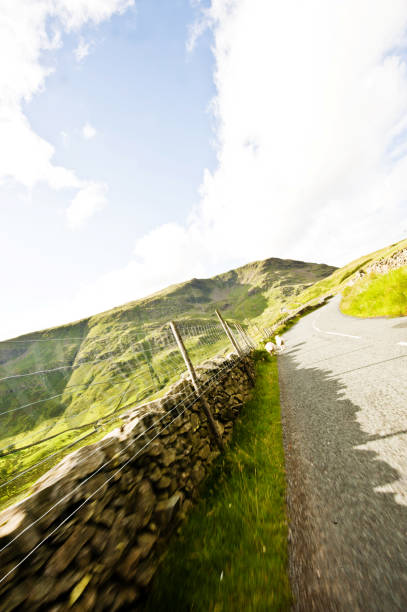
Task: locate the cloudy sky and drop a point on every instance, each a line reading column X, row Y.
column 145, row 142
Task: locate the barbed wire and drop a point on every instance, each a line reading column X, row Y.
column 79, row 363
column 178, row 365
column 102, row 425
column 61, row 367
column 52, row 397
column 139, row 328
column 196, row 398
column 162, row 363
column 66, row 418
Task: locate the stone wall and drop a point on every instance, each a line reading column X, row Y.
column 108, row 509
column 382, row 266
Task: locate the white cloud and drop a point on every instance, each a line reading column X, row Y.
column 90, row 199
column 311, row 115
column 202, row 23
column 82, row 50
column 311, row 112
column 320, row 89
column 88, row 131
column 25, row 157
column 168, row 254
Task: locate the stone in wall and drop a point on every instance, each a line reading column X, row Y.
column 98, row 523
column 382, row 266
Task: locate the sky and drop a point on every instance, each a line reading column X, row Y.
column 146, row 142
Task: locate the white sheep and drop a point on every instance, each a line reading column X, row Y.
column 270, row 347
column 280, row 342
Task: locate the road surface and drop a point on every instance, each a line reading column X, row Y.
column 344, row 404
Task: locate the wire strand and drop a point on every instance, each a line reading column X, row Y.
column 196, row 398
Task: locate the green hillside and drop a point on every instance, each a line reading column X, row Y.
column 377, row 295
column 102, row 365
column 340, row 280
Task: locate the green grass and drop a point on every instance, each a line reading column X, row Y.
column 117, row 359
column 377, row 295
column 89, row 412
column 231, row 554
column 337, row 282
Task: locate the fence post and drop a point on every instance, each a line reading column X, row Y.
column 229, row 334
column 234, row 343
column 202, row 399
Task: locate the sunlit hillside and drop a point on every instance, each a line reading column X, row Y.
column 66, row 386
column 351, row 278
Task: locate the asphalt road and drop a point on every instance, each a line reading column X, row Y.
column 344, row 404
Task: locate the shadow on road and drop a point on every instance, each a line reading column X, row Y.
column 401, row 325
column 348, row 542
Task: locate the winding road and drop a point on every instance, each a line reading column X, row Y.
column 343, row 384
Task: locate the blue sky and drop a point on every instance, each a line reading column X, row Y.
column 147, row 98
column 128, row 162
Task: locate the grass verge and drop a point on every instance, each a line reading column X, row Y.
column 231, row 553
column 377, row 295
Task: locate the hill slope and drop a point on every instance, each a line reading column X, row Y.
column 352, row 275
column 377, row 295
column 68, row 385
column 91, row 350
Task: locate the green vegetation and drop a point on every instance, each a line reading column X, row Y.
column 377, row 295
column 105, row 378
column 270, row 285
column 338, row 281
column 115, row 360
column 231, row 553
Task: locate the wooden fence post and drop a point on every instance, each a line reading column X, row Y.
column 202, row 399
column 234, row 343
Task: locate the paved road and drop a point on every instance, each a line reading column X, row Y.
column 344, row 402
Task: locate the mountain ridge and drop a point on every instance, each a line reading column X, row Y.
column 61, row 385
column 241, row 293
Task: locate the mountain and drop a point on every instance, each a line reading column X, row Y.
column 67, row 386
column 245, row 294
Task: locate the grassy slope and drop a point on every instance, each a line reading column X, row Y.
column 337, row 282
column 232, row 552
column 101, row 348
column 377, row 295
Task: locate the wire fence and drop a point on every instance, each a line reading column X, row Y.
column 59, row 394
column 140, row 442
column 92, row 384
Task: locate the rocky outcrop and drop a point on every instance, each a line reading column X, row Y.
column 96, row 525
column 382, row 266
column 395, row 261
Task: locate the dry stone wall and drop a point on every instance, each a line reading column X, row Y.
column 108, row 509
column 393, row 262
column 382, row 266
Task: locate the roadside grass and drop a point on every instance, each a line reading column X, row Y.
column 336, row 282
column 231, row 553
column 377, row 295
